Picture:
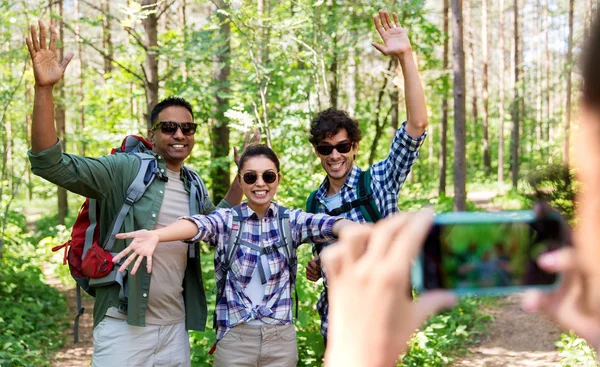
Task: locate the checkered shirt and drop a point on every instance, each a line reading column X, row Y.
column 387, row 178
column 235, row 307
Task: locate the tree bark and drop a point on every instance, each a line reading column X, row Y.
column 444, row 128
column 460, row 195
column 568, row 68
column 548, row 116
column 333, row 67
column 219, row 127
column 150, row 23
column 472, row 127
column 106, row 38
column 487, row 164
column 516, row 101
column 501, row 111
column 183, row 17
column 81, row 127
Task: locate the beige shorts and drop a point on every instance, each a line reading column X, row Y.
column 117, row 343
column 255, row 345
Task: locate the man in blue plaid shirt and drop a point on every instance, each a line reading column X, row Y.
column 335, row 137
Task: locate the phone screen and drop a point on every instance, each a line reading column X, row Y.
column 491, row 251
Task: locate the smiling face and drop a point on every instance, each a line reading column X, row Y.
column 260, row 193
column 177, row 147
column 338, row 165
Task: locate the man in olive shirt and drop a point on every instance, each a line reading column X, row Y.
column 147, row 327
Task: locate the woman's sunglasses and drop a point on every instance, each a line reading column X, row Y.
column 170, row 127
column 327, row 149
column 268, row 177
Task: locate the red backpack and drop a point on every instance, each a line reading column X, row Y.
column 89, row 262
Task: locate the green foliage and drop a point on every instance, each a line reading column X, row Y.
column 575, row 352
column 31, row 312
column 448, row 334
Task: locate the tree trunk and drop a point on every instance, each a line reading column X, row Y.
column 106, row 38
column 472, row 127
column 333, row 67
column 219, row 127
column 59, row 116
column 538, row 81
column 183, row 17
column 568, row 68
column 460, row 194
column 487, row 164
column 548, row 116
column 444, row 122
column 514, row 150
column 150, row 23
column 81, row 127
column 501, row 102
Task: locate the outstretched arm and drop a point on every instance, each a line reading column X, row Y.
column 47, row 72
column 397, row 44
column 144, row 242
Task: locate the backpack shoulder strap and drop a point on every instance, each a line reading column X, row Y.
column 236, row 234
column 232, row 246
column 198, row 191
column 312, row 203
column 144, row 177
column 285, row 232
column 368, row 205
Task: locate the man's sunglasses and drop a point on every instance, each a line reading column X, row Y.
column 170, row 127
column 268, row 177
column 327, row 149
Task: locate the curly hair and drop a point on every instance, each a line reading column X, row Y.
column 329, row 122
column 591, row 61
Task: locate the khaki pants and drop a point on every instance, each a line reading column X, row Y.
column 258, row 346
column 117, row 343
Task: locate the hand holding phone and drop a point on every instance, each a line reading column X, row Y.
column 488, row 253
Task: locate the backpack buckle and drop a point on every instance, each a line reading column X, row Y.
column 267, row 250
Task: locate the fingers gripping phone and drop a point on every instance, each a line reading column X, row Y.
column 485, row 253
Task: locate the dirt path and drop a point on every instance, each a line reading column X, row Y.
column 71, row 354
column 516, row 338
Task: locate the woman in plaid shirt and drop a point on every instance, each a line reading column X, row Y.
column 254, row 313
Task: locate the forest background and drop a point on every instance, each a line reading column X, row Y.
column 500, row 78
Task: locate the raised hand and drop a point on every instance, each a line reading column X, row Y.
column 394, row 37
column 143, row 245
column 247, row 142
column 47, row 69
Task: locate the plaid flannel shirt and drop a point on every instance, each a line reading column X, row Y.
column 235, row 307
column 387, row 178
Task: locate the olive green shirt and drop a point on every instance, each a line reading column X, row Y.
column 106, row 179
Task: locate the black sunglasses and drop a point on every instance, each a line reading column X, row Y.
column 268, row 177
column 170, row 127
column 327, row 149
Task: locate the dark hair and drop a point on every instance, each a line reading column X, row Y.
column 329, row 122
column 169, row 102
column 591, row 62
column 257, row 151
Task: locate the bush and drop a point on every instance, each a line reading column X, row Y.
column 31, row 312
column 575, row 352
column 448, row 334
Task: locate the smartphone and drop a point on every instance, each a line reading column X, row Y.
column 487, row 253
